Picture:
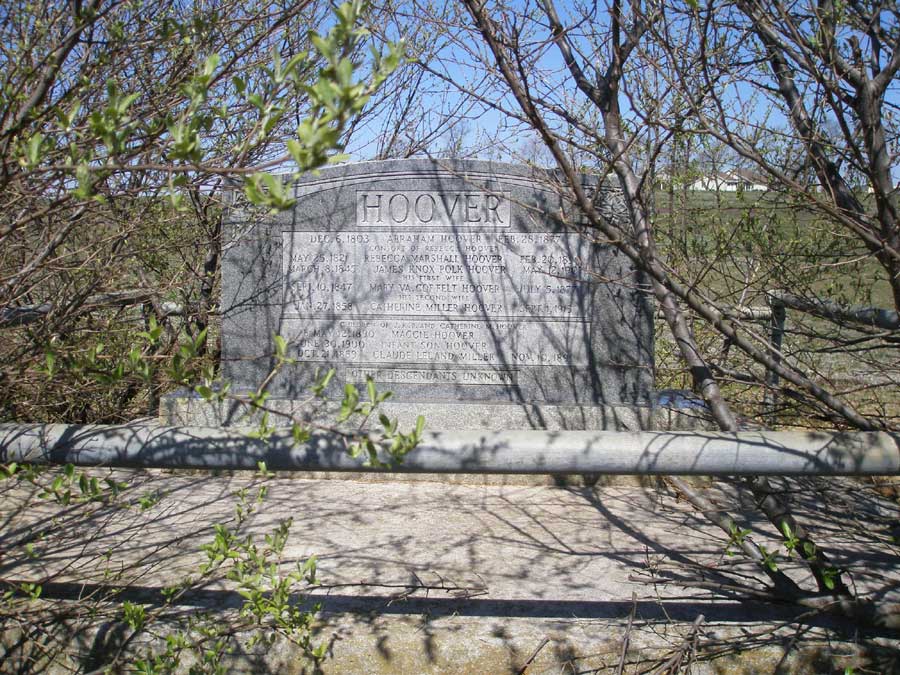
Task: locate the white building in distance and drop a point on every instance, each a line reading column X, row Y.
column 730, row 181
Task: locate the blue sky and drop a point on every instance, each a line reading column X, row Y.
column 457, row 61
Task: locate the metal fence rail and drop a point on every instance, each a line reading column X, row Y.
column 485, row 452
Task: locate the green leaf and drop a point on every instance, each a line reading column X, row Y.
column 210, row 65
column 50, row 358
column 257, row 101
column 33, row 150
column 299, row 433
column 280, row 346
column 126, row 102
column 264, row 189
column 297, row 152
column 67, row 119
column 323, row 46
column 349, row 403
column 291, row 68
column 339, row 157
column 344, row 71
column 85, row 187
column 318, row 388
column 134, row 615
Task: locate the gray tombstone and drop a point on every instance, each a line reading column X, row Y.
column 466, row 288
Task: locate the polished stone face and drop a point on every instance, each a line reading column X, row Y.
column 446, row 281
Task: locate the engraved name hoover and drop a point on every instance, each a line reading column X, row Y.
column 431, row 209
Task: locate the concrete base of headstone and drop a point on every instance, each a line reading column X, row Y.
column 178, row 410
column 186, row 409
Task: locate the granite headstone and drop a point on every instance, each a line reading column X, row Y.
column 466, row 288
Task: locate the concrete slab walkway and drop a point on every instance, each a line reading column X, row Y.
column 430, row 577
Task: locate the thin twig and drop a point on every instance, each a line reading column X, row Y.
column 533, row 656
column 627, row 639
column 688, row 646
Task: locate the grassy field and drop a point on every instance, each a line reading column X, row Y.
column 735, row 247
